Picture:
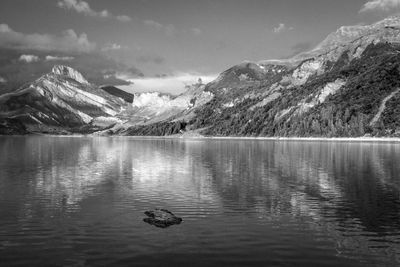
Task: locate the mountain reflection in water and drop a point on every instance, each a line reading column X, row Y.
column 80, row 201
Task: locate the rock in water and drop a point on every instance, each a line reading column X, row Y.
column 161, row 218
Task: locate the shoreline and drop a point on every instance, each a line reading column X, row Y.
column 304, row 139
column 200, row 137
column 329, row 139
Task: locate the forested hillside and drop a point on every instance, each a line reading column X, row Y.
column 349, row 112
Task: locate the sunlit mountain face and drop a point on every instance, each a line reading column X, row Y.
column 347, row 86
column 22, row 66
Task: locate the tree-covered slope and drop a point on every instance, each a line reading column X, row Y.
column 364, row 84
column 348, row 86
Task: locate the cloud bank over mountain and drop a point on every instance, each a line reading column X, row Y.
column 25, row 56
column 174, row 84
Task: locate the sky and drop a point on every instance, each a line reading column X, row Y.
column 177, row 37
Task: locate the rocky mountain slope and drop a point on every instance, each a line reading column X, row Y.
column 349, row 85
column 62, row 101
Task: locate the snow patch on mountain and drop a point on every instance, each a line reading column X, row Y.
column 70, row 73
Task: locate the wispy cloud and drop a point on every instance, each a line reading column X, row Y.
column 33, row 58
column 380, row 5
column 112, row 47
column 84, row 8
column 57, row 58
column 2, row 80
column 4, row 28
column 28, row 58
column 282, row 28
column 196, row 31
column 69, row 41
column 168, row 29
column 123, row 18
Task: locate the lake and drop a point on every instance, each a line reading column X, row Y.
column 79, row 201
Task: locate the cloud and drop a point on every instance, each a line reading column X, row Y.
column 169, row 29
column 153, row 23
column 155, row 59
column 282, row 28
column 84, row 8
column 111, row 47
column 2, row 80
column 4, row 28
column 28, row 58
column 174, row 84
column 123, row 18
column 196, row 31
column 380, row 5
column 92, row 65
column 56, row 58
column 69, row 40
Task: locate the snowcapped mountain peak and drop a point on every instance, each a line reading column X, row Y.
column 352, row 38
column 384, row 30
column 70, row 73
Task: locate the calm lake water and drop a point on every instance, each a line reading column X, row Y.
column 79, row 201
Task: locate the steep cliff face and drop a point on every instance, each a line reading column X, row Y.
column 61, row 101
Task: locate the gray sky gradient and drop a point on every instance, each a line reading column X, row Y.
column 184, row 36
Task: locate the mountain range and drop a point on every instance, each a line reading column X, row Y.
column 347, row 86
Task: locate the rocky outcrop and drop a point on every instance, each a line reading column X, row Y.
column 69, row 73
column 12, row 127
column 161, row 218
column 118, row 93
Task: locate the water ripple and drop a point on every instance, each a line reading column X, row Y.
column 80, row 202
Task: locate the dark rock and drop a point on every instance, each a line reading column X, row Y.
column 115, row 91
column 161, row 218
column 11, row 127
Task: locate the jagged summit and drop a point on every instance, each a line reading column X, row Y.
column 70, row 73
column 353, row 38
column 345, row 34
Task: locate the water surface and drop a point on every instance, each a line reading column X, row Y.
column 79, row 201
